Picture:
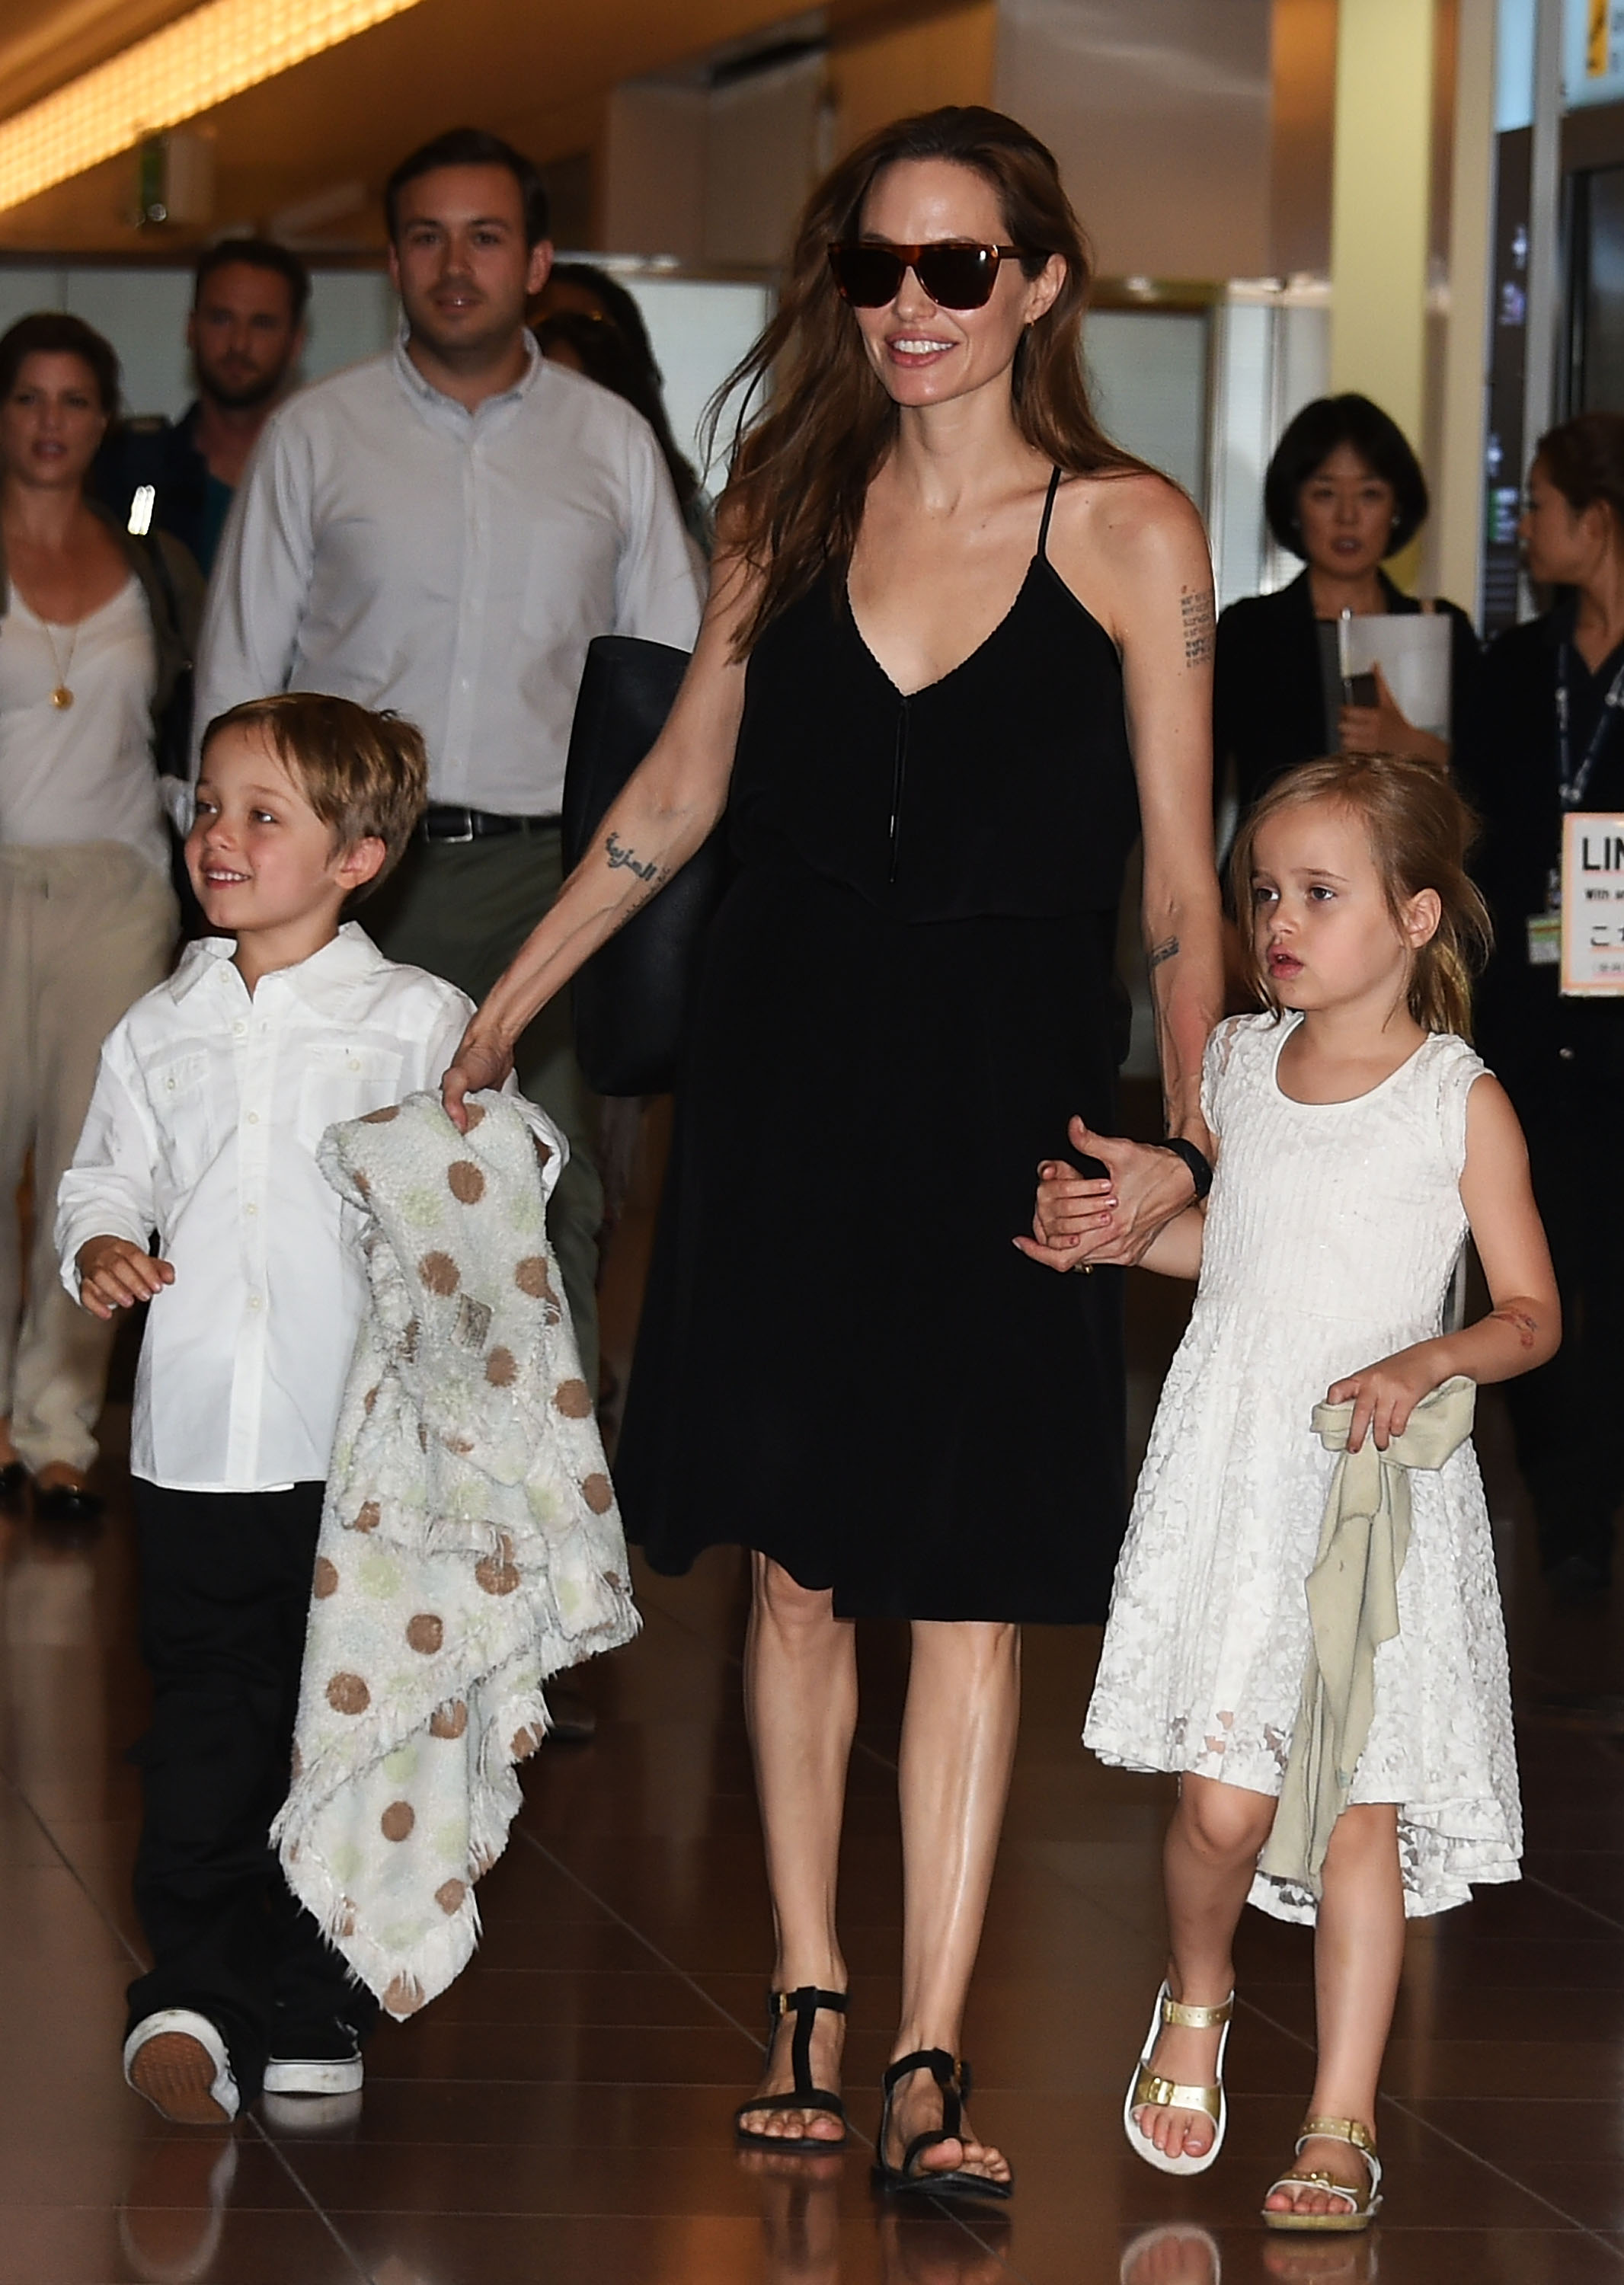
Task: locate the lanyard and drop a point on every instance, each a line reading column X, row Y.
column 1573, row 786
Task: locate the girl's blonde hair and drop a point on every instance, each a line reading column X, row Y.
column 1420, row 830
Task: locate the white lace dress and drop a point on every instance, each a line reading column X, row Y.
column 1332, row 1235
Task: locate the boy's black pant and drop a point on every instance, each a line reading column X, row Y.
column 224, row 1591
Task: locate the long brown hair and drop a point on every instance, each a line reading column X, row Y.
column 803, row 467
column 1420, row 831
column 1584, row 459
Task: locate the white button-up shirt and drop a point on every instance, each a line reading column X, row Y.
column 207, row 1108
column 389, row 546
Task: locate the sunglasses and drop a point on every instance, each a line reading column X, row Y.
column 955, row 275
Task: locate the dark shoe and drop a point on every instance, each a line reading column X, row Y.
column 13, row 1483
column 804, row 2005
column 316, row 2059
column 66, row 1503
column 953, row 2078
column 570, row 1720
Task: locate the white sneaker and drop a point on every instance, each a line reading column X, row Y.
column 330, row 2063
column 177, row 2060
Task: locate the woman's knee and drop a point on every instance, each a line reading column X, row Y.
column 781, row 1600
column 1223, row 1823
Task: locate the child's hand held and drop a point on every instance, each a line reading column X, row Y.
column 113, row 1273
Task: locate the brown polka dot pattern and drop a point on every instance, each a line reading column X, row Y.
column 370, row 1399
column 439, row 1273
column 465, row 1182
column 325, row 1581
column 448, row 1896
column 397, row 1820
column 501, row 1371
column 598, row 1493
column 426, row 1633
column 347, row 1694
column 381, row 1117
column 448, row 1721
column 362, row 1185
column 573, row 1398
column 405, row 1995
column 476, row 1115
column 368, row 1519
column 406, row 1345
column 531, row 1277
column 498, row 1574
column 524, row 1744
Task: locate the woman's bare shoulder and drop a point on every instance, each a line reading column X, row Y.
column 1121, row 543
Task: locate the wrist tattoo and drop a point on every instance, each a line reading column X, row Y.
column 1524, row 1326
column 1167, row 949
column 1196, row 610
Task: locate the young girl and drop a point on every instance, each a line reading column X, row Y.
column 1359, row 1139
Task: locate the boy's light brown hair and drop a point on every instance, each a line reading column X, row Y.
column 1420, row 831
column 365, row 775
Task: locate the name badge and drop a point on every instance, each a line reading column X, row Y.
column 1592, row 917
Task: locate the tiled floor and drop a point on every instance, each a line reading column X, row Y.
column 561, row 2114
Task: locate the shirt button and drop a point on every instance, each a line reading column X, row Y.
column 355, row 1062
column 254, row 1118
column 240, row 1030
column 254, row 1301
column 250, row 1208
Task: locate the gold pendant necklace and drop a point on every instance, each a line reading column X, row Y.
column 62, row 697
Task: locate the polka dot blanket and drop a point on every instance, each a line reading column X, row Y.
column 470, row 1543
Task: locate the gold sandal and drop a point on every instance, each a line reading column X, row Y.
column 1359, row 2215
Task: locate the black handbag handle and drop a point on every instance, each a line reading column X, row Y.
column 632, row 998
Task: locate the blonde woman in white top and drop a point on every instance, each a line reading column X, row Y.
column 89, row 653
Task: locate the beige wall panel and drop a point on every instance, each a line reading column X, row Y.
column 1304, row 114
column 652, row 189
column 1158, row 112
column 914, row 67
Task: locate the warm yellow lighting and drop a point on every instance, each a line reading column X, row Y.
column 188, row 67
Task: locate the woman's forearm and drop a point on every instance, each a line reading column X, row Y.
column 1184, row 947
column 648, row 834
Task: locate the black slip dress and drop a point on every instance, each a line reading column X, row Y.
column 843, row 1360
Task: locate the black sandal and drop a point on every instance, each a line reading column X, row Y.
column 804, row 2005
column 955, row 2081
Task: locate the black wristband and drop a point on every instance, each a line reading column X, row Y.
column 1196, row 1158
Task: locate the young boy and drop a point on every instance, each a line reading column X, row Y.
column 211, row 1098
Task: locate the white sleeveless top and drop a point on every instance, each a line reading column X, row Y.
column 84, row 772
column 1331, row 1234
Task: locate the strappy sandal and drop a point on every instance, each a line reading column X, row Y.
column 1149, row 2092
column 804, row 2005
column 953, row 2078
column 1359, row 2215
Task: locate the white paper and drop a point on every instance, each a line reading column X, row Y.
column 1412, row 652
column 1592, row 903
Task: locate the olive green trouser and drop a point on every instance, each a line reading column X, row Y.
column 461, row 909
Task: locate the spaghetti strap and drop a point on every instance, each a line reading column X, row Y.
column 1048, row 510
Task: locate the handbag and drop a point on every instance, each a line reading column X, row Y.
column 632, row 998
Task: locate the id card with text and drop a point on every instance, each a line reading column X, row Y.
column 1592, row 904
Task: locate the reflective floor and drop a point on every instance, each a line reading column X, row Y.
column 561, row 2113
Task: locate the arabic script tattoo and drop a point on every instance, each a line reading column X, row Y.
column 1161, row 952
column 1196, row 610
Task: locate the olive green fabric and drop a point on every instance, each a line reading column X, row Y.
column 1353, row 1606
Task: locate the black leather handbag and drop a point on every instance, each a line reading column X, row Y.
column 632, row 998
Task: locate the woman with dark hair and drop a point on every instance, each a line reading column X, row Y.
column 957, row 647
column 90, row 649
column 1545, row 737
column 1343, row 491
column 587, row 320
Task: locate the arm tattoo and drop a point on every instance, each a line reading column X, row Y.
column 1166, row 951
column 619, row 855
column 1196, row 609
column 1525, row 1324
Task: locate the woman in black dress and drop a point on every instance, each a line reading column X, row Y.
column 958, row 646
column 1343, row 491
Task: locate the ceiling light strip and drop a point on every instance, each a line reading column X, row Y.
column 189, row 67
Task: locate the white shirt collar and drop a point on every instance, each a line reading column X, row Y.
column 351, row 956
column 445, row 411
